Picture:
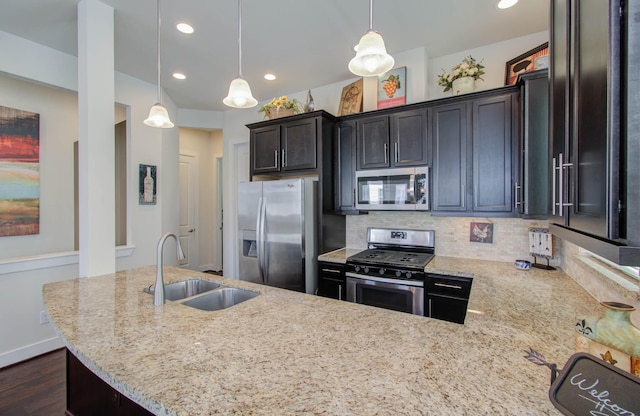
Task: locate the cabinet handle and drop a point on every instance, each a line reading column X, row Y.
column 331, row 271
column 553, row 187
column 275, row 156
column 517, row 194
column 448, row 286
column 386, row 148
column 339, row 292
column 396, row 151
column 284, row 158
column 429, row 308
column 561, row 167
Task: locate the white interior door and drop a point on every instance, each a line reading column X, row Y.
column 188, row 205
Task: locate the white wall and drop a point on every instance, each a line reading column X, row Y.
column 37, row 78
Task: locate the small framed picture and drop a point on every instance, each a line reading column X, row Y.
column 481, row 232
column 148, row 184
column 392, row 88
column 351, row 99
column 536, row 58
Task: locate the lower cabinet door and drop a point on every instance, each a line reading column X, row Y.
column 446, row 308
column 88, row 395
column 332, row 288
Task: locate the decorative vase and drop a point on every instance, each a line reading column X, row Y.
column 463, row 85
column 275, row 112
column 616, row 330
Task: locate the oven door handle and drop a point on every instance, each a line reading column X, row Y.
column 417, row 283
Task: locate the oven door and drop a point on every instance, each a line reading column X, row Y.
column 398, row 295
column 393, row 189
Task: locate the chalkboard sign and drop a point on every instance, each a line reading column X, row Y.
column 592, row 387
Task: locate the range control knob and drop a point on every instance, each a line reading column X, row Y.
column 408, row 275
column 398, row 273
column 357, row 268
column 381, row 271
column 366, row 269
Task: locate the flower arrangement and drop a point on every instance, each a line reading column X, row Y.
column 469, row 67
column 281, row 103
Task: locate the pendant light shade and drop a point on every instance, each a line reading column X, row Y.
column 158, row 115
column 239, row 90
column 371, row 58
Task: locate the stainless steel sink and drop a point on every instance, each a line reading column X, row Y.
column 185, row 288
column 221, row 298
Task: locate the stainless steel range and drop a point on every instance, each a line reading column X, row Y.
column 390, row 273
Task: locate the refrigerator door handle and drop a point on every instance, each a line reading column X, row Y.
column 260, row 237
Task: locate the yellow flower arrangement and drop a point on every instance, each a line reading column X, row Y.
column 281, row 103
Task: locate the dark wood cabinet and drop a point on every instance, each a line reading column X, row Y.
column 332, row 280
column 593, row 70
column 290, row 146
column 450, row 150
column 373, row 142
column 395, row 140
column 345, row 167
column 532, row 186
column 473, row 148
column 447, row 297
column 492, row 138
column 409, row 137
column 87, row 394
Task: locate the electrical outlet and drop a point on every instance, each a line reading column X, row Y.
column 44, row 317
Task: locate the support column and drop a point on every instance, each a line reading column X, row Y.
column 96, row 100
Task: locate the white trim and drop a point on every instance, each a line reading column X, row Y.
column 30, row 351
column 45, row 261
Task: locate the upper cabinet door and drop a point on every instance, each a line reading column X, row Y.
column 492, row 153
column 373, row 142
column 299, row 145
column 409, row 137
column 265, row 149
column 450, row 148
column 345, row 166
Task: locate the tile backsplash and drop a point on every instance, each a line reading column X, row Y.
column 510, row 235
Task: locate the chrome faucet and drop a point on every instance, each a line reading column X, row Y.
column 158, row 291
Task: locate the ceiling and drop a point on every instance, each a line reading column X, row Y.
column 306, row 43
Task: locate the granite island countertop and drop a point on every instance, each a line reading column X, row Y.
column 290, row 353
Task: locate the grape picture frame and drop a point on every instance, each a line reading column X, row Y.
column 392, row 88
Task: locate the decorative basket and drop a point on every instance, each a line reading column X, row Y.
column 275, row 112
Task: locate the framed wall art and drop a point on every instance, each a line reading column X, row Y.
column 148, row 184
column 19, row 172
column 392, row 88
column 351, row 99
column 481, row 232
column 536, row 58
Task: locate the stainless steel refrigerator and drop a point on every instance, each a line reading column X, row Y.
column 277, row 233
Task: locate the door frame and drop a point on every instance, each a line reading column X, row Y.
column 196, row 211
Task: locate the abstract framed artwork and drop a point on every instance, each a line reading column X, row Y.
column 19, row 172
column 148, row 184
column 528, row 61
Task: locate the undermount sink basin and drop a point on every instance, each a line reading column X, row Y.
column 185, row 288
column 221, row 298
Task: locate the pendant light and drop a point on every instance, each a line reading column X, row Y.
column 158, row 115
column 239, row 90
column 371, row 57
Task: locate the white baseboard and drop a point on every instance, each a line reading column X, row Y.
column 30, row 351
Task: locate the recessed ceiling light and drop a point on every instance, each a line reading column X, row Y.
column 505, row 4
column 269, row 77
column 185, row 28
column 179, row 75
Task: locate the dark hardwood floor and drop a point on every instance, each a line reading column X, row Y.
column 34, row 387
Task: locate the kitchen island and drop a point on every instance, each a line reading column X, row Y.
column 284, row 352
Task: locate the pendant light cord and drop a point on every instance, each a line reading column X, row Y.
column 370, row 14
column 158, row 50
column 240, row 38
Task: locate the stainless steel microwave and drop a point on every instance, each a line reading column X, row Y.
column 402, row 189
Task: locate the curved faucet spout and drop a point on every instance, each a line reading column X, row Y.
column 158, row 291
